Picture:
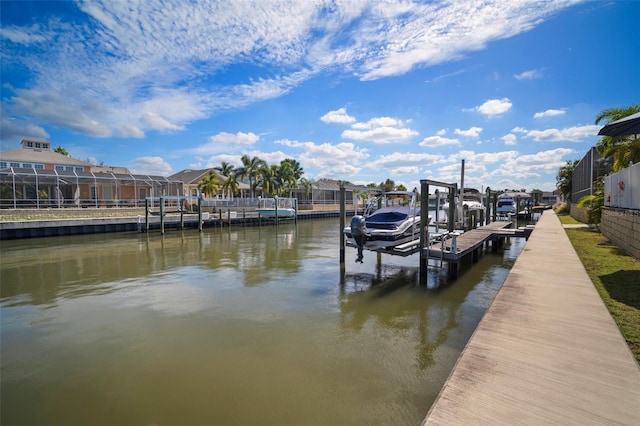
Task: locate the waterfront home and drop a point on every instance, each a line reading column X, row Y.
column 36, row 176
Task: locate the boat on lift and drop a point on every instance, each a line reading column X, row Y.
column 389, row 220
column 276, row 207
column 506, row 205
column 471, row 199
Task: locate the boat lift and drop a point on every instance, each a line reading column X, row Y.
column 424, row 240
column 444, row 245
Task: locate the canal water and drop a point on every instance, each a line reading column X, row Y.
column 233, row 326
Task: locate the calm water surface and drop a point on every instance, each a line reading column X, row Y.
column 230, row 327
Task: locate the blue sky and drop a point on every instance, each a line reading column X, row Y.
column 354, row 90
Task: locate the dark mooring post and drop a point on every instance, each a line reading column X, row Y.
column 181, row 206
column 162, row 215
column 146, row 215
column 488, row 208
column 424, row 229
column 199, row 214
column 494, row 205
column 342, row 223
column 453, row 191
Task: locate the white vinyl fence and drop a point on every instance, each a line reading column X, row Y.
column 622, row 189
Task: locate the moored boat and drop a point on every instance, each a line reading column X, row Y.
column 506, row 205
column 396, row 222
column 471, row 200
column 276, row 207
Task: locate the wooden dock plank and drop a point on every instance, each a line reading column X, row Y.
column 546, row 352
column 469, row 241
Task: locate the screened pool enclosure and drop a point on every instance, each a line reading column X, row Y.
column 41, row 188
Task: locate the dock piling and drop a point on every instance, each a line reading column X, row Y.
column 342, row 223
column 162, row 215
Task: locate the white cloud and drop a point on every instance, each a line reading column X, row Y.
column 215, row 161
column 378, row 122
column 338, row 116
column 528, row 75
column 52, row 108
column 510, row 139
column 329, row 160
column 431, row 33
column 130, row 131
column 433, row 141
column 239, row 138
column 150, row 166
column 404, row 170
column 380, row 135
column 398, row 160
column 24, row 35
column 549, row 113
column 133, row 56
column 472, row 132
column 494, row 107
column 12, row 131
column 571, row 134
column 484, row 158
column 155, row 122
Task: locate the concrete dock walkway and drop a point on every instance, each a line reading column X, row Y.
column 547, row 351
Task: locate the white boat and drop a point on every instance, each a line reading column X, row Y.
column 395, row 222
column 276, row 207
column 506, row 205
column 471, row 199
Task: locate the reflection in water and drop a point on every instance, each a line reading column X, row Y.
column 229, row 326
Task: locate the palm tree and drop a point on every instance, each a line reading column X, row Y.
column 361, row 195
column 624, row 153
column 298, row 171
column 251, row 169
column 308, row 185
column 62, row 151
column 563, row 180
column 608, row 116
column 285, row 176
column 230, row 183
column 225, row 169
column 209, row 185
column 268, row 181
column 388, row 185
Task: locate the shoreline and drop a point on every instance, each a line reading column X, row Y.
column 97, row 221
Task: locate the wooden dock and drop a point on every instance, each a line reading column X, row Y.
column 454, row 248
column 546, row 352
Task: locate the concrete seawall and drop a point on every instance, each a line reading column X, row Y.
column 60, row 222
column 546, row 351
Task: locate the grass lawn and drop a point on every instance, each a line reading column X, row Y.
column 615, row 275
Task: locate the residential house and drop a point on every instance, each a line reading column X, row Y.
column 36, row 176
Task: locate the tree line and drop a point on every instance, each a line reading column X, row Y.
column 275, row 179
column 272, row 180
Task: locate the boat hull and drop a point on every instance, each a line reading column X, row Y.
column 384, row 239
column 284, row 212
